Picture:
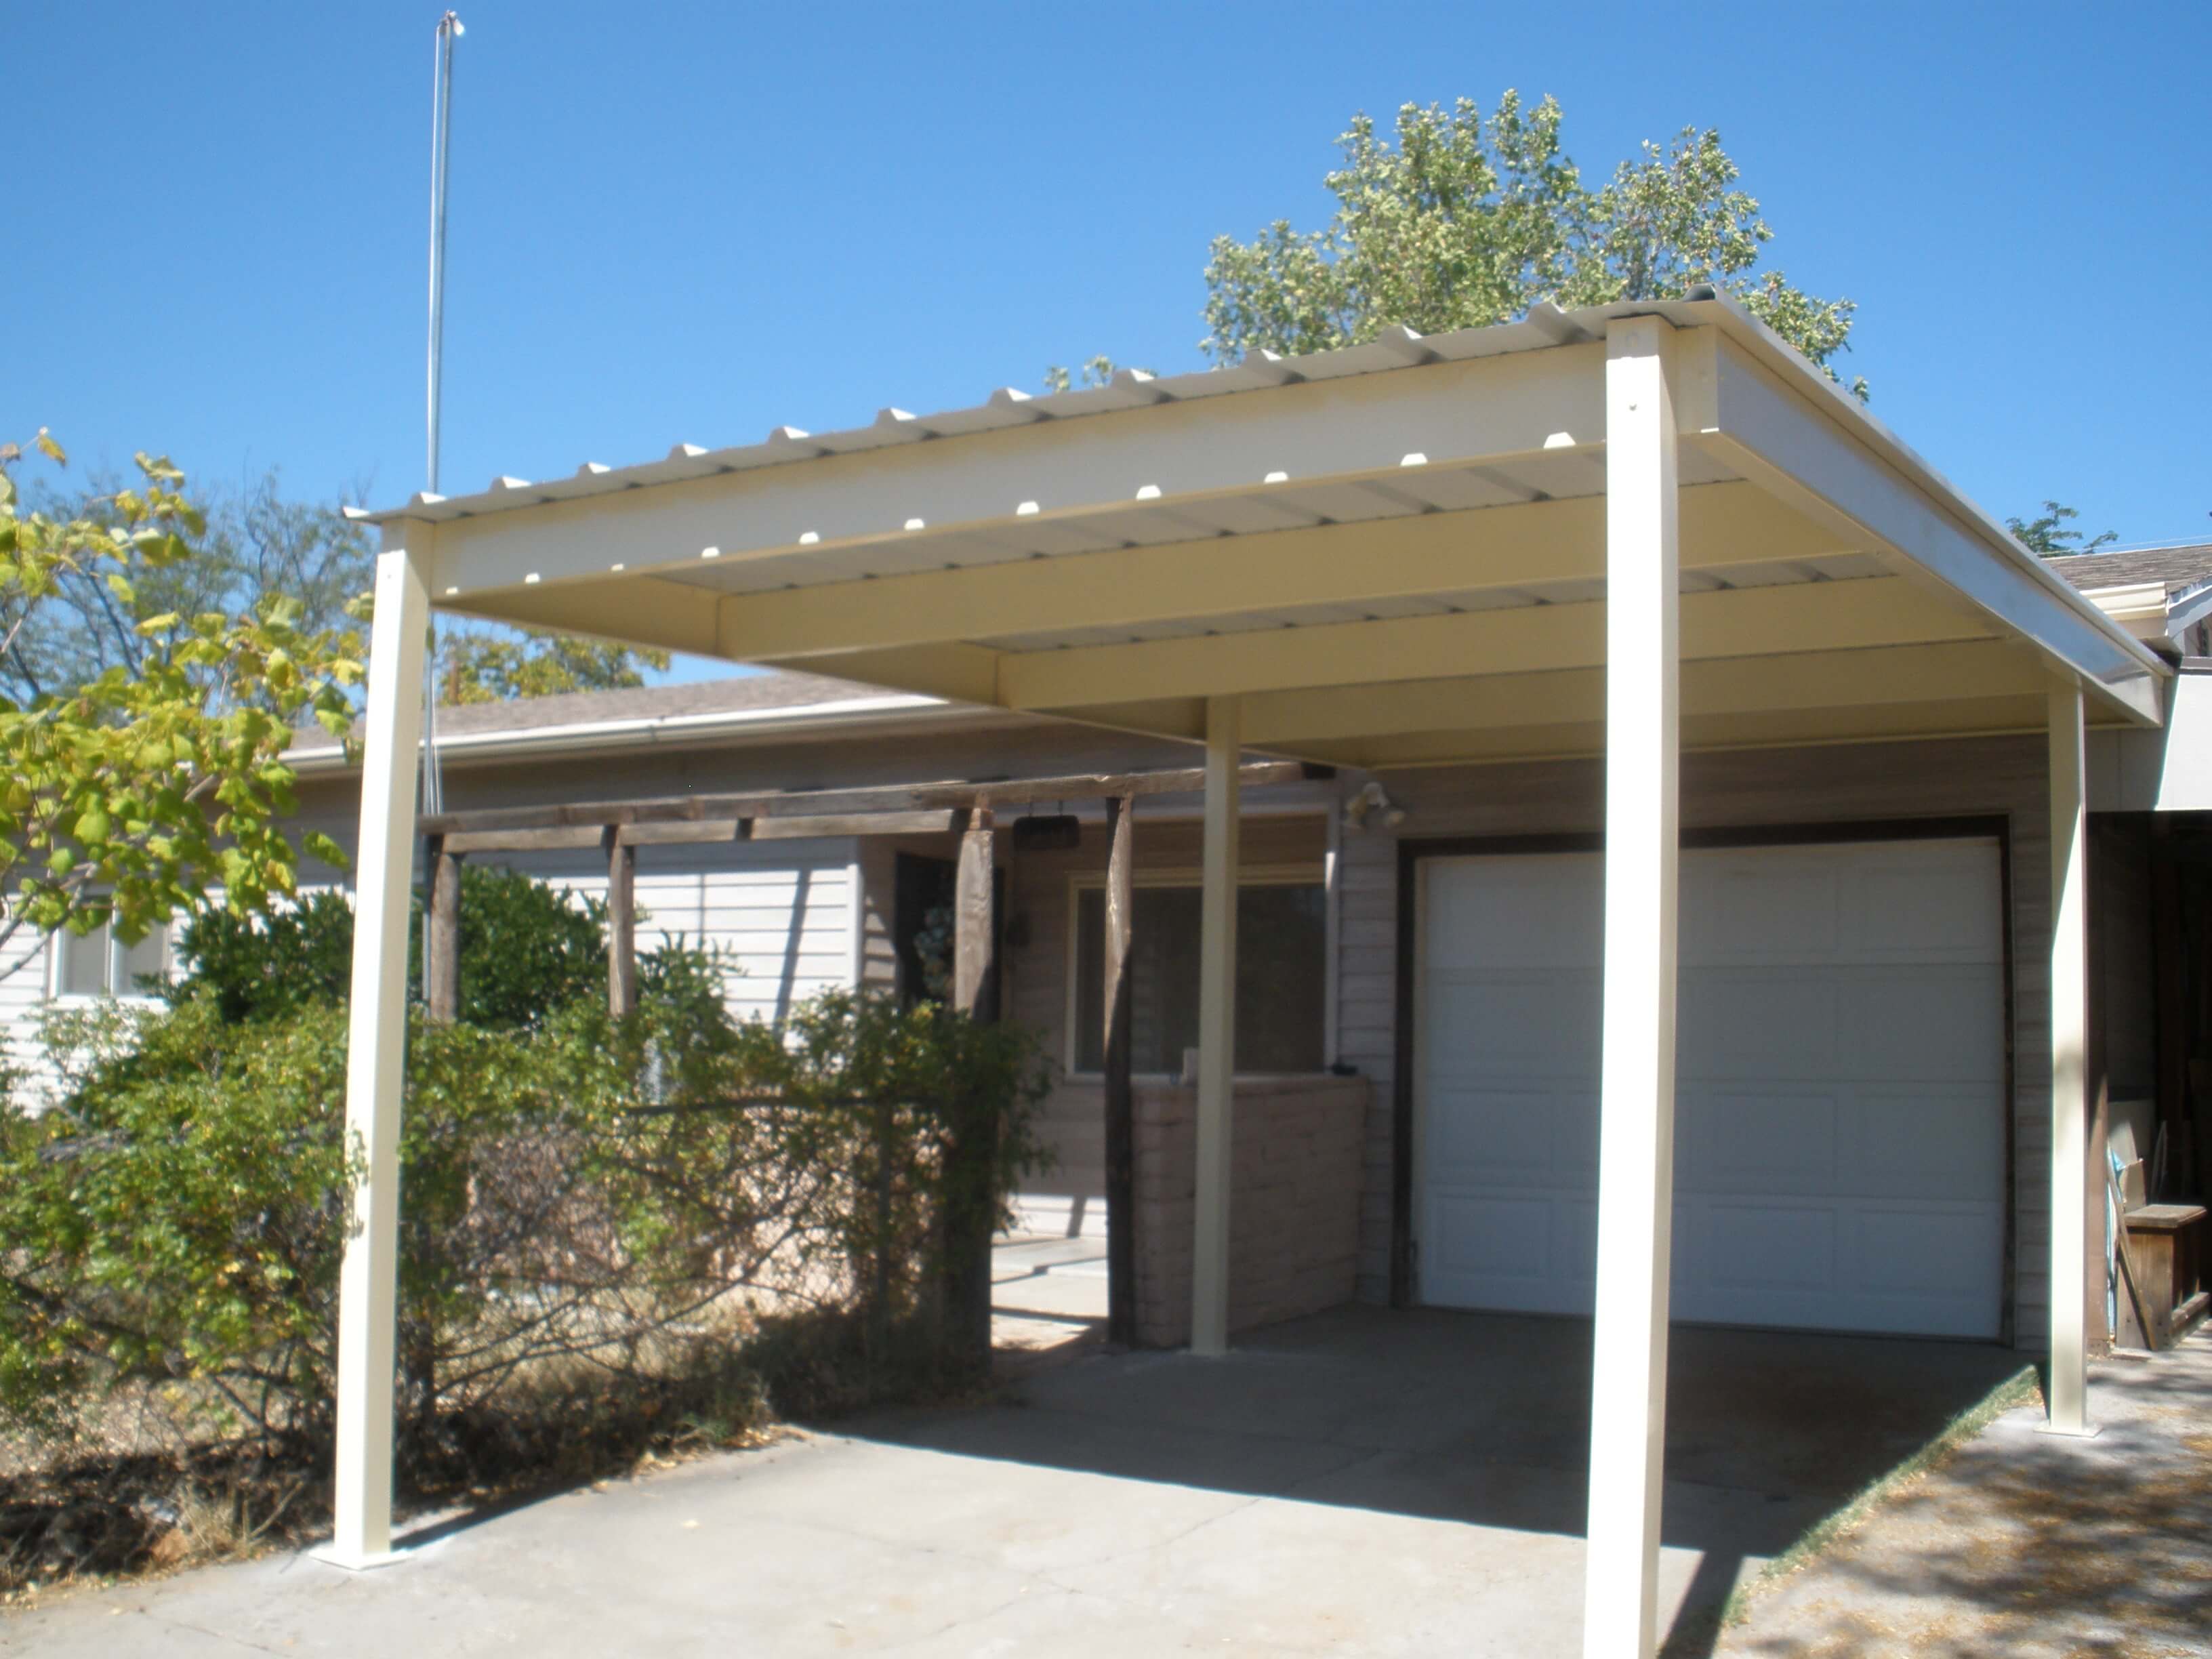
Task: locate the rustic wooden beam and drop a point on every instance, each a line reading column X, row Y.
column 622, row 924
column 952, row 796
column 1120, row 1084
column 561, row 839
column 853, row 823
column 441, row 935
column 971, row 1155
column 705, row 833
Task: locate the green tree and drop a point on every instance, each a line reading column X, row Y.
column 482, row 665
column 255, row 542
column 131, row 794
column 1467, row 221
column 2049, row 538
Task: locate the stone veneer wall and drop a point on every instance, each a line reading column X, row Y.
column 1293, row 1209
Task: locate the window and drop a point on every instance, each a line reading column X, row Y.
column 1281, row 975
column 97, row 964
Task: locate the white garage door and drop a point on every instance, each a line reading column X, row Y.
column 1839, row 1128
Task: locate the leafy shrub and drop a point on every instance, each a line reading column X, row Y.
column 526, row 948
column 612, row 1193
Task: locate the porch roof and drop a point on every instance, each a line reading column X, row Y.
column 1392, row 553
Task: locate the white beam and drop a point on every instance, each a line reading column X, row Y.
column 1635, row 1155
column 1723, row 525
column 1772, row 432
column 1877, row 676
column 1360, row 425
column 1749, row 621
column 1217, row 1033
column 2069, row 1074
column 376, row 1049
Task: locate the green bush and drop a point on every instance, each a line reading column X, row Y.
column 586, row 1190
column 526, row 948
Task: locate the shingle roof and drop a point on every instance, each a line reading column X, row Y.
column 774, row 689
column 2176, row 567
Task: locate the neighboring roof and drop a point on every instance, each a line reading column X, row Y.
column 2173, row 568
column 771, row 689
column 758, row 704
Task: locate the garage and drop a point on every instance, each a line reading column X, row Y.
column 1840, row 1141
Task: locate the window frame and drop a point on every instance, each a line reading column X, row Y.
column 57, row 943
column 1251, row 875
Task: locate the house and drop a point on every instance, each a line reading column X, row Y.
column 1705, row 901
column 2161, row 594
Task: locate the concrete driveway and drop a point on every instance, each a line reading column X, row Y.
column 1363, row 1482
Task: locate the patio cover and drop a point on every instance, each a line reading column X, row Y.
column 1615, row 531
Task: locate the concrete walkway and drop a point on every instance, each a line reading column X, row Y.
column 1360, row 1483
column 2026, row 1544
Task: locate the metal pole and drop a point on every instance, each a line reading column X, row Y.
column 442, row 120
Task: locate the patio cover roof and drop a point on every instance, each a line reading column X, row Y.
column 1393, row 553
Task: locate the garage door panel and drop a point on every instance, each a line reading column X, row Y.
column 1510, row 1022
column 1498, row 1133
column 1760, row 1141
column 1777, row 1022
column 1926, row 1270
column 1553, row 909
column 1924, row 1144
column 1782, row 911
column 1840, row 1112
column 1574, row 1137
column 1930, row 907
column 1767, row 1247
column 1936, row 1024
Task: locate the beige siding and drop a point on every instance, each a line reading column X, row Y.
column 1978, row 777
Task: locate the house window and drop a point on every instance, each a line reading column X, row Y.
column 98, row 964
column 1281, row 975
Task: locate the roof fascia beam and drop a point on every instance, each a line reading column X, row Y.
column 1517, row 404
column 639, row 611
column 1296, row 720
column 1771, row 432
column 1750, row 621
column 1723, row 525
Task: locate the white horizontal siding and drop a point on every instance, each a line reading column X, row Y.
column 782, row 915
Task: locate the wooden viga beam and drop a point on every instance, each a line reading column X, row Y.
column 576, row 825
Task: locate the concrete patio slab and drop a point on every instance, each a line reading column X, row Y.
column 1363, row 1482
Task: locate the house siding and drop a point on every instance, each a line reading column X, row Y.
column 1989, row 777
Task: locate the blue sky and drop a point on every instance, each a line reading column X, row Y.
column 694, row 222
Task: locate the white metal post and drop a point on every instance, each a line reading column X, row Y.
column 2069, row 1074
column 1217, row 1031
column 376, row 1051
column 1636, row 1159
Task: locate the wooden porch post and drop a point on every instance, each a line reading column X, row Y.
column 1217, row 1030
column 441, row 936
column 2069, row 1102
column 1121, row 1088
column 974, row 994
column 376, row 1051
column 1636, row 1178
column 622, row 922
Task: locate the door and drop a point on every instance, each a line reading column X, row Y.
column 1839, row 1106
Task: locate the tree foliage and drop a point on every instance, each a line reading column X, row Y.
column 583, row 1189
column 255, row 542
column 484, row 665
column 2050, row 536
column 130, row 794
column 1458, row 220
column 527, row 948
